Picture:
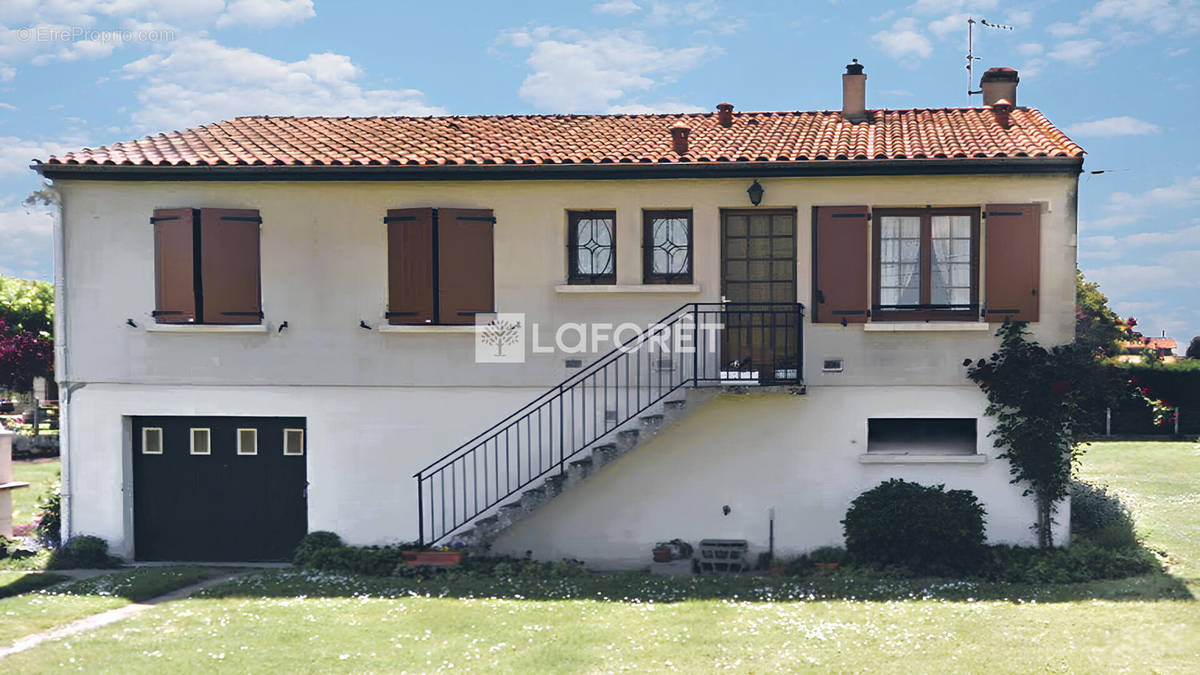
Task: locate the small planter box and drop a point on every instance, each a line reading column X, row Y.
column 434, row 558
column 826, row 567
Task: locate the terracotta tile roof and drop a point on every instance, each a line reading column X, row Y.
column 940, row 133
column 1152, row 343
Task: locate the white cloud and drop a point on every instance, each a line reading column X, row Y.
column 942, row 6
column 1077, row 52
column 28, row 237
column 1061, row 29
column 1113, row 126
column 616, row 7
column 1159, row 16
column 574, row 71
column 1020, row 18
column 16, row 154
column 265, row 13
column 1030, row 49
column 654, row 108
column 8, row 106
column 903, row 43
column 952, row 23
column 198, row 80
column 1124, row 208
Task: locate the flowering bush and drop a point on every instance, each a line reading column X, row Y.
column 24, row 355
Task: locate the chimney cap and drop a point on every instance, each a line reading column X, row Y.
column 1000, row 75
column 725, row 105
column 1002, row 104
column 680, row 126
column 854, row 67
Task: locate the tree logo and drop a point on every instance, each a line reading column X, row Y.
column 500, row 339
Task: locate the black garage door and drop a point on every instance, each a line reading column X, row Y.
column 218, row 488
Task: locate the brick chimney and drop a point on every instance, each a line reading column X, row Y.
column 854, row 92
column 679, row 137
column 999, row 83
column 725, row 114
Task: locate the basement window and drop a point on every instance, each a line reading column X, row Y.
column 921, row 436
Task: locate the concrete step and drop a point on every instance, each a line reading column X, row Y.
column 533, row 498
column 627, row 439
column 651, row 423
column 578, row 470
column 554, row 484
column 605, row 454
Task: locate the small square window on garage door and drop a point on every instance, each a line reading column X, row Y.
column 247, row 441
column 152, row 441
column 201, row 441
column 293, row 441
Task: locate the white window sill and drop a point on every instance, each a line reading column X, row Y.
column 428, row 329
column 880, row 458
column 206, row 328
column 923, row 326
column 627, row 288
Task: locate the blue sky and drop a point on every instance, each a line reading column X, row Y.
column 1118, row 75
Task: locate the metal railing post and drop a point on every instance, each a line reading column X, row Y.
column 420, row 513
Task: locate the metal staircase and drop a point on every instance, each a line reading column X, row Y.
column 603, row 411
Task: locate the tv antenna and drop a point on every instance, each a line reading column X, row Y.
column 971, row 58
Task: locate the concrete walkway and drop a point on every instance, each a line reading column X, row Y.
column 111, row 616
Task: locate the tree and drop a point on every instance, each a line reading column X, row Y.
column 1098, row 329
column 24, row 355
column 26, row 332
column 1193, row 350
column 27, row 306
column 1042, row 399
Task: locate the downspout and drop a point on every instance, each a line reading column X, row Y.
column 52, row 197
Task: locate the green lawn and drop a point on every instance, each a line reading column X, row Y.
column 307, row 621
column 40, row 610
column 39, row 475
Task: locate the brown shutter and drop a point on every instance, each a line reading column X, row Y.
column 1013, row 261
column 229, row 266
column 465, row 264
column 174, row 273
column 840, row 255
column 410, row 265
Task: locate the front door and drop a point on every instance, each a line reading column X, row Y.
column 758, row 284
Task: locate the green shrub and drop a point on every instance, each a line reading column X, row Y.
column 1082, row 561
column 83, row 551
column 1099, row 515
column 313, row 542
column 49, row 507
column 928, row 529
column 829, row 554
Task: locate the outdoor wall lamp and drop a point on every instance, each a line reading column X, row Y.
column 756, row 193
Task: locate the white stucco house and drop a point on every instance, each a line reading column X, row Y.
column 268, row 326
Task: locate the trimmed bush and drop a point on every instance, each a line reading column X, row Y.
column 927, row 529
column 83, row 551
column 1081, row 561
column 49, row 526
column 1100, row 516
column 312, row 543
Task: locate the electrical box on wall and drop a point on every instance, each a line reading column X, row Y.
column 833, row 366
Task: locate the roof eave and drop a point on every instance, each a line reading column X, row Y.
column 869, row 167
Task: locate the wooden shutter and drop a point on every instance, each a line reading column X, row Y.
column 465, row 264
column 410, row 265
column 1012, row 261
column 174, row 273
column 840, row 255
column 230, row 281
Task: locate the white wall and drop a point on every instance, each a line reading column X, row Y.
column 324, row 268
column 796, row 454
column 380, row 406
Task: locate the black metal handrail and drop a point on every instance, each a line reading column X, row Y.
column 699, row 344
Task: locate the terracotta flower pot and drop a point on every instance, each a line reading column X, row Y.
column 436, row 558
